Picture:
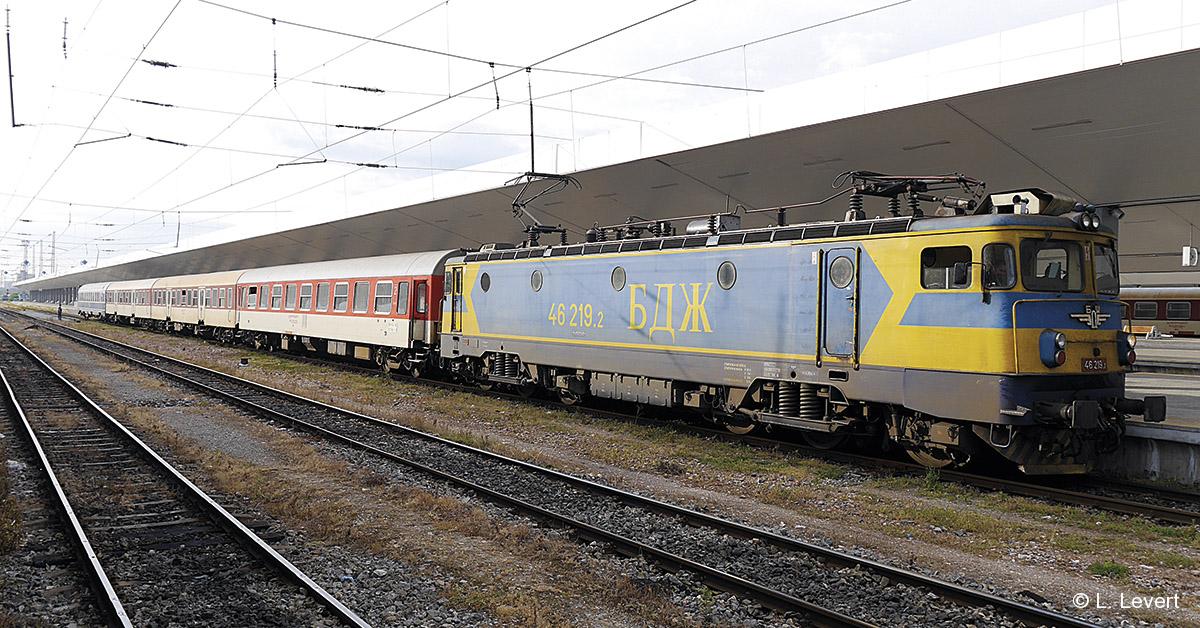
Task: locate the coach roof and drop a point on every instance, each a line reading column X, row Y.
column 409, row 264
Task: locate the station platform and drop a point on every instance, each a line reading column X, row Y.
column 1168, row 355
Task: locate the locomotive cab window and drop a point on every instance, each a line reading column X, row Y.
column 939, row 270
column 1052, row 265
column 383, row 297
column 362, row 295
column 999, row 267
column 1108, row 279
column 1145, row 310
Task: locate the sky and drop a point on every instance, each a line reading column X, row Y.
column 116, row 157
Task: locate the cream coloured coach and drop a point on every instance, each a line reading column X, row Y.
column 194, row 301
column 128, row 301
column 384, row 308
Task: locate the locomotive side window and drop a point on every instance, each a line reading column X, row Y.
column 323, row 296
column 306, row 296
column 937, row 267
column 999, row 266
column 290, row 302
column 362, row 295
column 1052, row 265
column 277, row 296
column 1179, row 310
column 1145, row 309
column 383, row 297
column 1107, row 277
column 402, row 298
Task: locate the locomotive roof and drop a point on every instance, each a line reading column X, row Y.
column 802, row 231
column 408, row 264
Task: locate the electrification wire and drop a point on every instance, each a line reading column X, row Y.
column 82, row 135
column 446, row 99
column 754, row 42
column 460, row 57
column 268, row 92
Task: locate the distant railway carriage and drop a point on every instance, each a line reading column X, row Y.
column 128, row 301
column 1174, row 311
column 90, row 300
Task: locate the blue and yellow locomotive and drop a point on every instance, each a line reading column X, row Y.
column 994, row 326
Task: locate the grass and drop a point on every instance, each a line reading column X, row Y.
column 10, row 513
column 1108, row 569
column 901, row 506
column 496, row 566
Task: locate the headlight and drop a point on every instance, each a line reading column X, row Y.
column 1132, row 340
column 1060, row 341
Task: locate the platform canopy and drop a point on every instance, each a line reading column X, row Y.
column 1116, row 133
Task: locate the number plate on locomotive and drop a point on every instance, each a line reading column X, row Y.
column 1095, row 364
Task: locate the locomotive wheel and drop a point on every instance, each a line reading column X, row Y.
column 928, row 460
column 823, row 440
column 484, row 385
column 527, row 390
column 568, row 398
column 740, row 430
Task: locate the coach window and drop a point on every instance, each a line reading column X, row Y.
column 306, row 296
column 421, row 298
column 195, row 297
column 362, row 295
column 323, row 297
column 383, row 297
column 1145, row 310
column 937, row 267
column 402, row 298
column 1179, row 310
column 999, row 267
column 277, row 296
column 290, row 303
column 341, row 294
column 252, row 297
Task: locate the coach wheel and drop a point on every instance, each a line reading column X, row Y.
column 569, row 397
column 416, row 370
column 823, row 440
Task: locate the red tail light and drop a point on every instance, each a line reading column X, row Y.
column 1060, row 357
column 1131, row 357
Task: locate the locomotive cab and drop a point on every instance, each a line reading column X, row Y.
column 1062, row 402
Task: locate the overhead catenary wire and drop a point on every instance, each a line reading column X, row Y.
column 446, row 99
column 83, row 135
column 460, row 57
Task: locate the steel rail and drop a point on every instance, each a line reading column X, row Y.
column 961, row 594
column 219, row 515
column 109, row 603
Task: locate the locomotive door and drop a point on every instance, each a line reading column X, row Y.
column 840, row 303
column 456, row 299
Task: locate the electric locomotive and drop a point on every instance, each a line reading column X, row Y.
column 990, row 325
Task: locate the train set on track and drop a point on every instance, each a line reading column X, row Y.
column 984, row 327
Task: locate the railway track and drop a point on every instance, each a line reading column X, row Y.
column 826, row 586
column 156, row 549
column 1155, row 503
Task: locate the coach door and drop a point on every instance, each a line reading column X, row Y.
column 840, row 303
column 420, row 316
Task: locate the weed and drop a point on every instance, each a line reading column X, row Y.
column 933, row 480
column 1108, row 569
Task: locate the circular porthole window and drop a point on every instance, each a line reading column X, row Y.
column 618, row 279
column 535, row 280
column 841, row 272
column 485, row 281
column 726, row 275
